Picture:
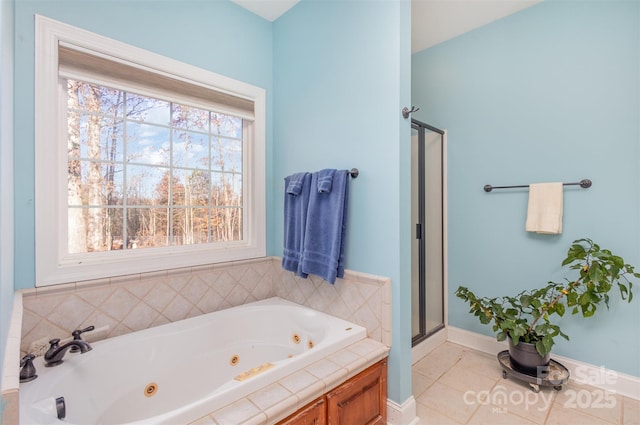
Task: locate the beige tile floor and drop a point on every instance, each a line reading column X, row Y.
column 454, row 385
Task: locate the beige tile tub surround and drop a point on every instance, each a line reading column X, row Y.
column 359, row 298
column 9, row 407
column 131, row 303
column 9, row 402
column 124, row 304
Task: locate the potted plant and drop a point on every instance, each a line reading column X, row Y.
column 527, row 318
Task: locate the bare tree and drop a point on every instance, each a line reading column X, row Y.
column 189, row 209
column 77, row 234
column 94, row 178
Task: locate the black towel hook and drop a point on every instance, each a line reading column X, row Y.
column 406, row 111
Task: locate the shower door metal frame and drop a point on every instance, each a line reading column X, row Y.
column 420, row 231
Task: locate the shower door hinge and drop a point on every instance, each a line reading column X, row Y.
column 418, row 230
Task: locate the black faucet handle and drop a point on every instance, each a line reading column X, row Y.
column 28, row 370
column 28, row 358
column 53, row 343
column 76, row 334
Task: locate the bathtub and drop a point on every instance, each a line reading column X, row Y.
column 179, row 372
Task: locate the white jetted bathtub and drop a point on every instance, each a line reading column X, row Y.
column 179, row 372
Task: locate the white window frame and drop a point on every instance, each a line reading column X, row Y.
column 54, row 265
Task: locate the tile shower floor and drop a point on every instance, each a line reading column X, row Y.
column 460, row 386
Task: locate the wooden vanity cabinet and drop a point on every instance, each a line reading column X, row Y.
column 361, row 400
column 312, row 414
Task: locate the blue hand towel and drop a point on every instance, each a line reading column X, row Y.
column 296, row 202
column 323, row 252
column 325, row 178
column 294, row 183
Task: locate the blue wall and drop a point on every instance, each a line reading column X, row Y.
column 341, row 78
column 337, row 74
column 549, row 94
column 6, row 174
column 218, row 36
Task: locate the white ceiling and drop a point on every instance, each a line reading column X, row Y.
column 435, row 21
column 432, row 21
column 268, row 9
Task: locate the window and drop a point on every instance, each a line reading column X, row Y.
column 142, row 163
column 146, row 173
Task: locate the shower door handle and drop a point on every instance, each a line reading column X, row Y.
column 418, row 230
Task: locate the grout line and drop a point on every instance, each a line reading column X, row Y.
column 554, row 400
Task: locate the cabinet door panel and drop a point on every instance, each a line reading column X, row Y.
column 312, row 414
column 360, row 401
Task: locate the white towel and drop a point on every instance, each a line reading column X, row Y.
column 544, row 213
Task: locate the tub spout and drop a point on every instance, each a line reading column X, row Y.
column 61, row 408
column 55, row 353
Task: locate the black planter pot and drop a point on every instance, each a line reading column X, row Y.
column 525, row 358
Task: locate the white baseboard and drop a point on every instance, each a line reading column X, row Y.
column 404, row 414
column 585, row 373
column 428, row 345
column 477, row 341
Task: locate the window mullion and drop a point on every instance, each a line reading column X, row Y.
column 170, row 240
column 125, row 187
column 210, row 186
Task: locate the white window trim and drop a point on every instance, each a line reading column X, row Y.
column 53, row 264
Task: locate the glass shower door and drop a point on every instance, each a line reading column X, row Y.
column 427, row 218
column 417, row 290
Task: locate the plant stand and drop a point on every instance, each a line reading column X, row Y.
column 555, row 375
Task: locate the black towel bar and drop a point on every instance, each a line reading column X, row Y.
column 584, row 183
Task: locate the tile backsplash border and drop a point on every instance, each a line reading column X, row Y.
column 124, row 304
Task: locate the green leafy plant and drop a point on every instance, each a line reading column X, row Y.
column 527, row 316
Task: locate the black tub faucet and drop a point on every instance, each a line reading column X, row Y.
column 55, row 353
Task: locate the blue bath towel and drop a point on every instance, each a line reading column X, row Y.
column 296, row 203
column 323, row 253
